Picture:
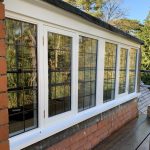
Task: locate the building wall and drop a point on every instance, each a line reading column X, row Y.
column 4, row 144
column 56, row 16
column 89, row 133
column 85, row 134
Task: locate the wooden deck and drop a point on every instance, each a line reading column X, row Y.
column 145, row 145
column 144, row 99
column 133, row 136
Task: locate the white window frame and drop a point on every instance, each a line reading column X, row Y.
column 54, row 119
column 137, row 68
column 119, row 46
column 45, row 128
column 118, row 71
column 116, row 76
column 98, row 65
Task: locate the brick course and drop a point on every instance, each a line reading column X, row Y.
column 4, row 145
column 2, row 48
column 4, row 116
column 92, row 131
column 2, row 12
column 3, row 83
column 4, row 129
column 2, row 30
column 3, row 101
column 3, row 65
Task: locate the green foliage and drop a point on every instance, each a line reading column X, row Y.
column 92, row 7
column 144, row 35
column 145, row 78
column 128, row 25
column 106, row 10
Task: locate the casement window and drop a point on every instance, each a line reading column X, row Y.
column 87, row 73
column 132, row 70
column 59, row 73
column 51, row 95
column 21, row 39
column 123, row 70
column 110, row 71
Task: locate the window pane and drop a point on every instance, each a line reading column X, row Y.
column 132, row 70
column 110, row 72
column 123, row 70
column 59, row 62
column 22, row 75
column 87, row 73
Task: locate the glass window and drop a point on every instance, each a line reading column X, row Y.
column 123, row 70
column 132, row 70
column 59, row 67
column 21, row 39
column 87, row 73
column 110, row 71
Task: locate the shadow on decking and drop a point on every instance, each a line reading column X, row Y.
column 133, row 136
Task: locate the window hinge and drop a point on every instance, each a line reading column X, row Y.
column 44, row 113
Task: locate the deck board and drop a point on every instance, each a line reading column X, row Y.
column 128, row 137
column 144, row 100
column 145, row 145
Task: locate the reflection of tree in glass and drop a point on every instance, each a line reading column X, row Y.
column 87, row 73
column 132, row 70
column 110, row 71
column 59, row 61
column 21, row 59
column 123, row 69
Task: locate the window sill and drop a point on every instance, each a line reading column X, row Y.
column 33, row 136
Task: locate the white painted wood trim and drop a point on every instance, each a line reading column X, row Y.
column 127, row 72
column 100, row 72
column 117, row 70
column 48, row 13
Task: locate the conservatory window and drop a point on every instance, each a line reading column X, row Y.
column 21, row 39
column 132, row 70
column 123, row 70
column 59, row 71
column 87, row 73
column 110, row 71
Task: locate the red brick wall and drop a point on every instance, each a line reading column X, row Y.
column 89, row 137
column 4, row 144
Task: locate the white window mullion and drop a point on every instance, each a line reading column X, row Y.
column 74, row 77
column 100, row 71
column 117, row 71
column 128, row 69
column 45, row 72
column 137, row 70
column 41, row 74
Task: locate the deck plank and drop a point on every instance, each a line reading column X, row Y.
column 145, row 145
column 144, row 99
column 128, row 137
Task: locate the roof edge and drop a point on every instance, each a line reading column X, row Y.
column 67, row 7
